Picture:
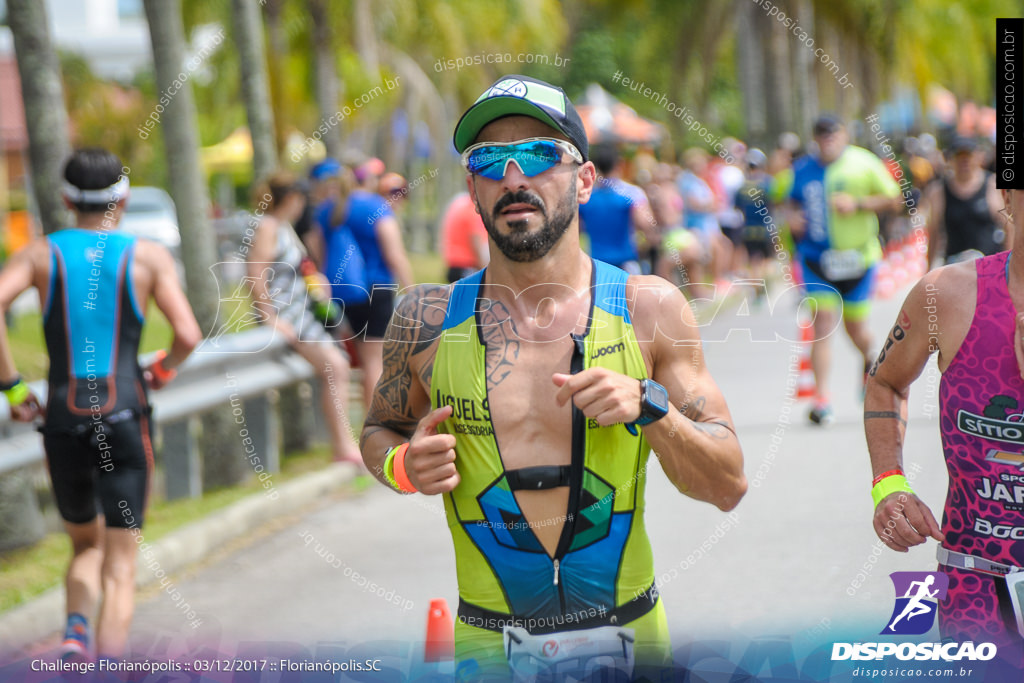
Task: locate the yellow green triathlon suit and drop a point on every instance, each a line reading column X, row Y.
column 837, row 252
column 602, row 572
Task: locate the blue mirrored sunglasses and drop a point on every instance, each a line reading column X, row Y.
column 533, row 156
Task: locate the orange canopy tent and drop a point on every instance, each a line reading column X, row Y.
column 608, row 120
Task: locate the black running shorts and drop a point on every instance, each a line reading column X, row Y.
column 101, row 466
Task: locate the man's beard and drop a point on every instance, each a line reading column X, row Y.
column 523, row 246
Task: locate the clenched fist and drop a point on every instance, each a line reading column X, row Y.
column 430, row 460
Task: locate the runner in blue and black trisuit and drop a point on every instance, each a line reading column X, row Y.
column 94, row 287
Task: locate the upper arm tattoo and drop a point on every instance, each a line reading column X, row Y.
column 415, row 325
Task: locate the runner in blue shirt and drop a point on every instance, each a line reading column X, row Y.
column 836, row 193
column 376, row 232
column 615, row 211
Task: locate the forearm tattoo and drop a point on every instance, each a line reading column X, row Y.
column 694, row 411
column 716, row 430
column 898, row 334
column 884, row 415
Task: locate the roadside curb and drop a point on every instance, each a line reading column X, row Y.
column 44, row 615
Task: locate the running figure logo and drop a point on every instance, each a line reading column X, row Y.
column 917, row 597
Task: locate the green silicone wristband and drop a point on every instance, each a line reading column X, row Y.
column 389, row 468
column 889, row 485
column 17, row 394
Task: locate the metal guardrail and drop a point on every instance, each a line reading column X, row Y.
column 256, row 361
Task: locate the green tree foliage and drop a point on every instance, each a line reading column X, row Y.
column 108, row 115
column 687, row 50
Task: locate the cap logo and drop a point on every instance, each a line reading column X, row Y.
column 509, row 87
column 538, row 93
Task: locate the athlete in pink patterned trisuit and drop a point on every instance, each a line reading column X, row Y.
column 968, row 313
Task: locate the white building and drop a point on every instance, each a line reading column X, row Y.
column 111, row 35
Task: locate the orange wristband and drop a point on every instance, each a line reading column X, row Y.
column 161, row 375
column 883, row 475
column 401, row 476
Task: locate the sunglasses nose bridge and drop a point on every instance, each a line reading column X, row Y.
column 512, row 160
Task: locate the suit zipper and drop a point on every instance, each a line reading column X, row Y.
column 576, row 476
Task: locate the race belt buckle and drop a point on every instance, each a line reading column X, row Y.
column 569, row 655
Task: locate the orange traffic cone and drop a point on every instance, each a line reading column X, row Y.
column 805, row 387
column 440, row 633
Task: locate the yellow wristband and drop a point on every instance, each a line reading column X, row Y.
column 17, row 394
column 394, row 469
column 389, row 468
column 889, row 485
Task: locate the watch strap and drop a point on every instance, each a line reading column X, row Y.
column 7, row 386
column 17, row 394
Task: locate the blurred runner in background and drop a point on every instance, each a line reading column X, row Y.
column 292, row 301
column 94, row 286
column 699, row 214
column 730, row 174
column 836, row 194
column 394, row 190
column 617, row 210
column 463, row 238
column 379, row 237
column 681, row 253
column 964, row 208
column 754, row 201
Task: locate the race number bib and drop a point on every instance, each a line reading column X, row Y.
column 846, row 264
column 570, row 655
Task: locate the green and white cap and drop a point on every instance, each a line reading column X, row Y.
column 525, row 96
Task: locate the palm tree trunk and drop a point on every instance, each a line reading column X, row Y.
column 45, row 115
column 750, row 61
column 277, row 48
column 326, row 78
column 777, row 84
column 249, row 38
column 223, row 461
column 181, row 142
column 366, row 37
column 803, row 74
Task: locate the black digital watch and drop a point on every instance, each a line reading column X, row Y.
column 653, row 405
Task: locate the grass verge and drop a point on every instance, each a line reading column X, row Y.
column 29, row 572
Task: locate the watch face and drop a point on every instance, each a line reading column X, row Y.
column 656, row 396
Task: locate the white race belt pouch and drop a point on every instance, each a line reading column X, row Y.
column 569, row 655
column 1015, row 583
column 842, row 264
